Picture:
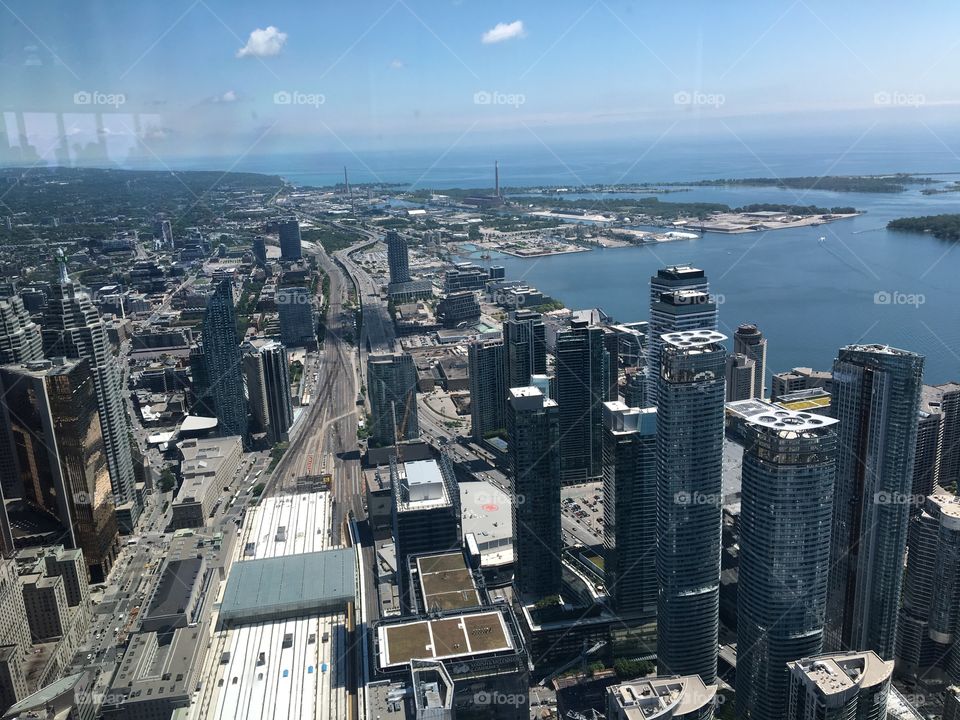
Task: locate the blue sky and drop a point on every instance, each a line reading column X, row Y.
column 379, row 74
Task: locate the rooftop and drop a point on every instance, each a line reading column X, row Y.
column 289, row 585
column 654, row 698
column 791, row 421
column 446, row 582
column 454, row 636
column 693, row 338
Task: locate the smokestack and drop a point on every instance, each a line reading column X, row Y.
column 496, row 177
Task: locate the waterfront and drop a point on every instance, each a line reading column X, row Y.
column 862, row 283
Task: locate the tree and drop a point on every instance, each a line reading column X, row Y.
column 167, row 480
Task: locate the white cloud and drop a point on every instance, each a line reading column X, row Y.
column 228, row 97
column 397, row 64
column 504, row 31
column 263, row 43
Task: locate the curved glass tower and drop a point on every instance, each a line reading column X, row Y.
column 689, row 501
column 789, row 467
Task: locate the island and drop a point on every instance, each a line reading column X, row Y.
column 943, row 227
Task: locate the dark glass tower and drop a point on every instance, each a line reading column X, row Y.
column 488, row 392
column 533, row 430
column 398, row 257
column 789, row 467
column 221, row 352
column 525, row 347
column 583, row 385
column 689, row 502
column 876, row 395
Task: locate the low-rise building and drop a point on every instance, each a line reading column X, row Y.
column 207, row 467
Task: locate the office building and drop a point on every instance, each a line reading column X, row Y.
column 749, row 341
column 533, row 431
column 630, row 509
column 267, row 373
column 789, row 468
column 289, row 231
column 260, row 250
column 458, row 309
column 876, row 395
column 741, row 375
column 927, row 629
column 635, row 388
column 221, row 352
column 689, row 498
column 53, row 429
column 398, row 257
column 15, row 641
column 841, row 686
column 298, row 317
column 465, row 276
column 800, row 378
column 675, row 312
column 488, row 391
column 392, row 388
column 206, row 468
column 662, row 698
column 525, row 347
column 426, row 513
column 583, row 385
column 73, row 328
column 20, row 338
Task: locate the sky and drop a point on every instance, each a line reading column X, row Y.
column 218, row 78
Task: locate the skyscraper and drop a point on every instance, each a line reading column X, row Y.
column 928, row 629
column 398, row 257
column 689, row 502
column 392, row 386
column 630, row 509
column 533, row 430
column 298, row 317
column 221, row 352
column 583, row 384
column 260, row 250
column 673, row 312
column 876, row 394
column 73, row 328
column 741, row 374
column 20, row 338
column 289, row 231
column 201, row 401
column 51, row 421
column 525, row 347
column 841, row 686
column 749, row 341
column 789, row 467
column 488, row 392
column 268, row 387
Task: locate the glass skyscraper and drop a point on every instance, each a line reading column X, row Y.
column 789, row 467
column 876, row 394
column 690, row 427
column 221, row 351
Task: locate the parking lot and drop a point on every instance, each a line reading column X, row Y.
column 582, row 514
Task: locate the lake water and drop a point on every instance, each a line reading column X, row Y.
column 808, row 296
